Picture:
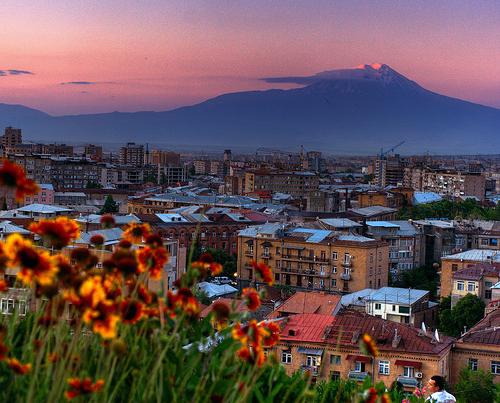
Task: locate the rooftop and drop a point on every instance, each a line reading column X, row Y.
column 340, row 223
column 486, row 331
column 478, row 255
column 308, row 302
column 43, row 209
column 373, row 210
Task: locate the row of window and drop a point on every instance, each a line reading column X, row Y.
column 8, row 306
column 494, row 366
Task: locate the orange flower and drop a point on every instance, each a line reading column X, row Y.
column 92, row 291
column 3, row 285
column 271, row 333
column 106, row 327
column 107, row 221
column 264, row 272
column 135, row 233
column 13, row 176
column 252, row 298
column 385, row 398
column 370, row 395
column 368, row 345
column 221, row 311
column 185, row 300
column 34, row 265
column 131, row 311
column 17, row 367
column 57, row 233
column 152, row 260
column 78, row 387
column 97, row 239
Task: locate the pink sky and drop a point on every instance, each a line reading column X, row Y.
column 157, row 55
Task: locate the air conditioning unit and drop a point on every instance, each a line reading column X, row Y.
column 418, row 374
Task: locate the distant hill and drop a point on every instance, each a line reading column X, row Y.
column 341, row 111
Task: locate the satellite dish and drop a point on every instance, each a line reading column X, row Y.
column 424, row 328
column 436, row 335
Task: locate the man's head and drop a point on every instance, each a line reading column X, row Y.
column 435, row 384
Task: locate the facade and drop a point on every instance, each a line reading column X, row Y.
column 312, row 259
column 297, row 184
column 72, row 173
column 452, row 263
column 328, row 348
column 477, row 280
column 132, row 154
column 11, row 138
column 477, row 234
column 44, row 196
column 479, row 348
column 164, row 158
column 439, row 239
column 93, row 152
column 389, row 171
column 406, row 246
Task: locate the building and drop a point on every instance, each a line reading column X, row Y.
column 93, row 152
column 476, row 280
column 477, row 234
column 62, row 150
column 11, row 138
column 470, row 258
column 389, row 171
column 44, row 196
column 372, row 213
column 446, row 182
column 317, row 302
column 312, row 259
column 438, row 237
column 37, row 211
column 406, row 246
column 479, row 348
column 70, row 198
column 132, row 154
column 164, row 158
column 328, row 348
column 297, row 184
column 401, row 305
column 73, row 173
column 395, row 198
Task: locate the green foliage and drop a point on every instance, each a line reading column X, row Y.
column 466, row 313
column 110, row 206
column 420, row 278
column 466, row 209
column 93, row 185
column 475, row 386
column 228, row 262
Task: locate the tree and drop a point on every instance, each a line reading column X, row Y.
column 93, row 185
column 110, row 206
column 420, row 278
column 466, row 313
column 475, row 386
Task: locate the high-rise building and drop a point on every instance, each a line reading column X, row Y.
column 164, row 158
column 11, row 138
column 389, row 170
column 132, row 154
column 93, row 152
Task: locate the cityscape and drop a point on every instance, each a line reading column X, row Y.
column 269, row 233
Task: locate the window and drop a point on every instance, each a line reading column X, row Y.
column 383, row 367
column 286, row 357
column 408, row 372
column 487, row 289
column 335, row 359
column 460, row 286
column 7, row 306
column 334, row 375
column 334, row 270
column 495, row 367
column 454, row 267
column 404, row 309
column 378, row 307
column 471, row 286
column 334, row 256
column 473, row 364
column 359, row 366
column 394, row 308
column 312, row 361
column 334, row 282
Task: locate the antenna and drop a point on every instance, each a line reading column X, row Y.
column 424, row 328
column 436, row 336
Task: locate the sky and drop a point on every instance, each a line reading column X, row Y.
column 71, row 57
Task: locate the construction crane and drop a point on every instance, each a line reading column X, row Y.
column 390, row 150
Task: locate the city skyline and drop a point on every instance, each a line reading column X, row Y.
column 159, row 56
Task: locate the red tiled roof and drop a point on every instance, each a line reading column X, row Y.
column 486, row 331
column 349, row 323
column 478, row 271
column 237, row 305
column 306, row 327
column 308, row 302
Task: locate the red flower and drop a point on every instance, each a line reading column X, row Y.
column 221, row 311
column 252, row 298
column 131, row 311
column 57, row 233
column 271, row 333
column 185, row 300
column 107, row 221
column 17, row 367
column 263, row 271
column 135, row 233
column 78, row 387
column 368, row 345
column 370, row 395
column 97, row 239
column 152, row 260
column 13, row 176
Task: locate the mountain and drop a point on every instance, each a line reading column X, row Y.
column 355, row 110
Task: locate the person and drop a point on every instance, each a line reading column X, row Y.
column 435, row 386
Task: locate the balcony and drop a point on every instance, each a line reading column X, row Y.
column 249, row 252
column 345, row 276
column 265, row 255
column 357, row 376
column 408, row 381
column 347, row 263
column 314, row 371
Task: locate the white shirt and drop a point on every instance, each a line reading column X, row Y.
column 441, row 397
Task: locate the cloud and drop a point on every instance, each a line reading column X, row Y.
column 14, row 72
column 87, row 82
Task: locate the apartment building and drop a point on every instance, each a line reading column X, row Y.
column 327, row 347
column 132, row 154
column 305, row 258
column 297, row 184
column 476, row 280
column 93, row 152
column 452, row 263
column 477, row 234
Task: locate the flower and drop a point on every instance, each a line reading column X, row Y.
column 57, row 233
column 78, row 387
column 184, row 300
column 270, row 332
column 206, row 262
column 252, row 298
column 107, row 221
column 263, row 271
column 221, row 312
column 92, row 291
column 131, row 311
column 13, row 176
column 370, row 395
column 152, row 260
column 17, row 367
column 135, row 233
column 106, row 327
column 34, row 265
column 385, row 398
column 97, row 240
column 368, row 345
column 3, row 285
